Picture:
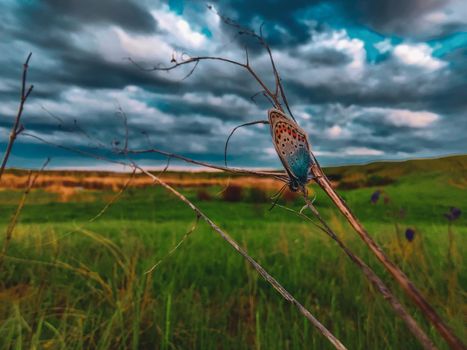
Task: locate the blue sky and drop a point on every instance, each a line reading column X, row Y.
column 368, row 79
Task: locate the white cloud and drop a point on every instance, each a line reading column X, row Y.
column 413, row 119
column 341, row 42
column 418, row 55
column 349, row 151
column 362, row 151
column 295, row 66
column 334, row 132
column 226, row 101
column 145, row 47
column 178, row 29
column 384, row 46
column 397, row 117
column 304, row 115
column 452, row 12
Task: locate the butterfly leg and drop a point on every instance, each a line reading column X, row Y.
column 277, row 196
column 239, row 126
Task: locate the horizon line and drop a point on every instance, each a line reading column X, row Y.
column 120, row 168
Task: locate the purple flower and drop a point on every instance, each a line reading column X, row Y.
column 375, row 197
column 453, row 214
column 456, row 212
column 410, row 234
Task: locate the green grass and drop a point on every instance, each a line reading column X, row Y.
column 71, row 284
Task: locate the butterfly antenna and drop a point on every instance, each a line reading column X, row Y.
column 277, row 196
column 232, row 132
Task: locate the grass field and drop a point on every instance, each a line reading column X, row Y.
column 67, row 283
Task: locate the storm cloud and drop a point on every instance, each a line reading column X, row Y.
column 378, row 80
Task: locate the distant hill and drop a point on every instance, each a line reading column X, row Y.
column 382, row 173
column 448, row 164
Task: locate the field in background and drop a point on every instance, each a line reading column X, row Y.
column 68, row 283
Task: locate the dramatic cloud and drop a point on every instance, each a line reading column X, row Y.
column 418, row 55
column 372, row 80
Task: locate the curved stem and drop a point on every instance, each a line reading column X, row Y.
column 232, row 132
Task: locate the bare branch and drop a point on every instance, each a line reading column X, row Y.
column 266, row 46
column 266, row 96
column 17, row 126
column 281, row 176
column 75, row 150
column 197, row 59
column 122, row 113
column 75, row 127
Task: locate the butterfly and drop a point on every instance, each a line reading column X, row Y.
column 293, row 148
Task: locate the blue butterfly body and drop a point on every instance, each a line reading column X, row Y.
column 292, row 146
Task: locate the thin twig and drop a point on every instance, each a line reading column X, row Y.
column 63, row 126
column 17, row 127
column 114, row 198
column 75, row 150
column 184, row 238
column 232, row 132
column 265, row 45
column 125, row 125
column 196, row 59
column 277, row 175
column 281, row 176
column 99, row 214
column 274, row 283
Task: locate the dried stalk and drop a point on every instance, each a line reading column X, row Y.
column 274, row 283
column 281, row 176
column 17, row 126
column 114, row 198
column 14, row 220
column 405, row 283
column 398, row 308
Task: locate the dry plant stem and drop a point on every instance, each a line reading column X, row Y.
column 17, row 128
column 399, row 309
column 184, row 238
column 277, row 175
column 276, row 285
column 114, row 198
column 14, row 220
column 399, row 276
column 281, row 176
column 279, row 87
column 198, row 59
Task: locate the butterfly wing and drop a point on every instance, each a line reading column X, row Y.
column 292, row 146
